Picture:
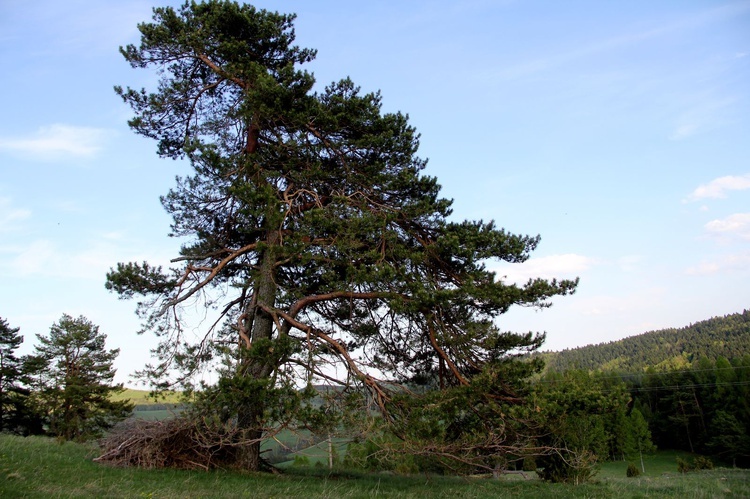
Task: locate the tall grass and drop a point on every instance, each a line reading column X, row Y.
column 36, row 467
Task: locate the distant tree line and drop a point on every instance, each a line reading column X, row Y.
column 664, row 349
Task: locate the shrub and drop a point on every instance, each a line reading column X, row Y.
column 702, row 463
column 568, row 467
column 632, row 471
column 699, row 463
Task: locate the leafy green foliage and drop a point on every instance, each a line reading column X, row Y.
column 74, row 382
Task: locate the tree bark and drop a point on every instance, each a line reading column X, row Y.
column 251, row 419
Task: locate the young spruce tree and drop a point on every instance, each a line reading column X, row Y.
column 312, row 231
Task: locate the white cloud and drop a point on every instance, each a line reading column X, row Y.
column 718, row 187
column 737, row 225
column 546, row 267
column 58, row 141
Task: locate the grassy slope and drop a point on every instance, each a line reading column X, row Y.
column 141, row 397
column 38, row 468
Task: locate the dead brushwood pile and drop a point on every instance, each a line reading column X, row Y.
column 181, row 442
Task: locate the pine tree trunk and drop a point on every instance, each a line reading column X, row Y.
column 265, row 295
column 248, row 455
column 251, row 422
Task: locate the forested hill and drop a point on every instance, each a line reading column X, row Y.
column 727, row 336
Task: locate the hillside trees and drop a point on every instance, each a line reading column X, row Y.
column 71, row 373
column 311, row 230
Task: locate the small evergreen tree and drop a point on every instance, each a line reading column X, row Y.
column 632, row 471
column 75, row 374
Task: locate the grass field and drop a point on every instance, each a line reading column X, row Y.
column 37, row 467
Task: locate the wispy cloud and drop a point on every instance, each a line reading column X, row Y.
column 705, row 116
column 630, row 304
column 88, row 28
column 630, row 263
column 546, row 267
column 9, row 215
column 736, row 225
column 89, row 260
column 562, row 58
column 718, row 187
column 58, row 141
column 34, row 258
column 728, row 263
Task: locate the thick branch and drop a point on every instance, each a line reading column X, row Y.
column 381, row 396
column 218, row 268
column 299, row 305
column 216, row 69
column 442, row 354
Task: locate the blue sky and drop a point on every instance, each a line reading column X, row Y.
column 619, row 131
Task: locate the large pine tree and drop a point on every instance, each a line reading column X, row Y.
column 311, row 229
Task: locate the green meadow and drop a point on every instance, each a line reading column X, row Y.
column 37, row 467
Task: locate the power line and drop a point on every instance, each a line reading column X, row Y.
column 621, row 376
